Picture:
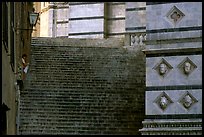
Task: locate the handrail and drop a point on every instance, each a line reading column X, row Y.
column 18, row 111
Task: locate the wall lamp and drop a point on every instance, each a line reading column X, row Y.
column 33, row 16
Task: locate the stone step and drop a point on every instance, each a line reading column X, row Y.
column 86, row 86
column 73, row 93
column 73, row 41
column 72, row 105
column 63, row 70
column 77, row 75
column 67, row 128
column 105, row 84
column 60, row 126
column 67, row 60
column 80, row 107
column 68, row 105
column 73, row 110
column 74, row 131
column 68, row 117
column 74, row 115
column 70, row 90
column 34, row 119
column 73, row 97
column 92, row 92
column 59, row 78
column 68, row 96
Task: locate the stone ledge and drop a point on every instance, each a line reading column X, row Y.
column 171, row 50
column 172, row 127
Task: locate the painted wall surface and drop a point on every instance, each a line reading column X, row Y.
column 9, row 94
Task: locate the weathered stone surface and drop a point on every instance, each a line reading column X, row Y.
column 173, row 69
column 157, row 13
column 135, row 17
column 176, row 107
column 175, row 76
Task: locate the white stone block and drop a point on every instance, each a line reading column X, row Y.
column 116, row 26
column 135, row 18
column 157, row 15
column 152, row 108
column 174, row 77
column 80, row 26
column 87, row 10
column 116, row 11
column 135, row 4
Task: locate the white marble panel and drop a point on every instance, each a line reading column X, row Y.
column 116, row 11
column 135, row 18
column 176, row 107
column 87, row 10
column 62, row 14
column 116, row 26
column 135, row 4
column 156, row 15
column 80, row 26
column 88, row 36
column 174, row 77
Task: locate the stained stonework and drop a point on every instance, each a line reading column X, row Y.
column 175, row 15
column 162, row 68
column 187, row 66
column 188, row 100
column 173, row 97
column 163, row 101
column 137, row 39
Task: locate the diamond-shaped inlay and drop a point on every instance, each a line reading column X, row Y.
column 187, row 100
column 163, row 67
column 175, row 15
column 163, row 101
column 187, row 66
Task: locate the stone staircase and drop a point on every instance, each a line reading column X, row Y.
column 80, row 86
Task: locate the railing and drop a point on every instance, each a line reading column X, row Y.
column 137, row 39
column 18, row 110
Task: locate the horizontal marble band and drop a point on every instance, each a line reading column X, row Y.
column 172, row 52
column 117, row 33
column 175, row 29
column 135, row 28
column 83, row 3
column 175, row 116
column 118, row 18
column 156, row 3
column 62, row 22
column 116, row 3
column 174, row 87
column 136, row 9
column 86, row 33
column 87, row 18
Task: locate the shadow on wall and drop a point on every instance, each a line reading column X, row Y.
column 4, row 109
